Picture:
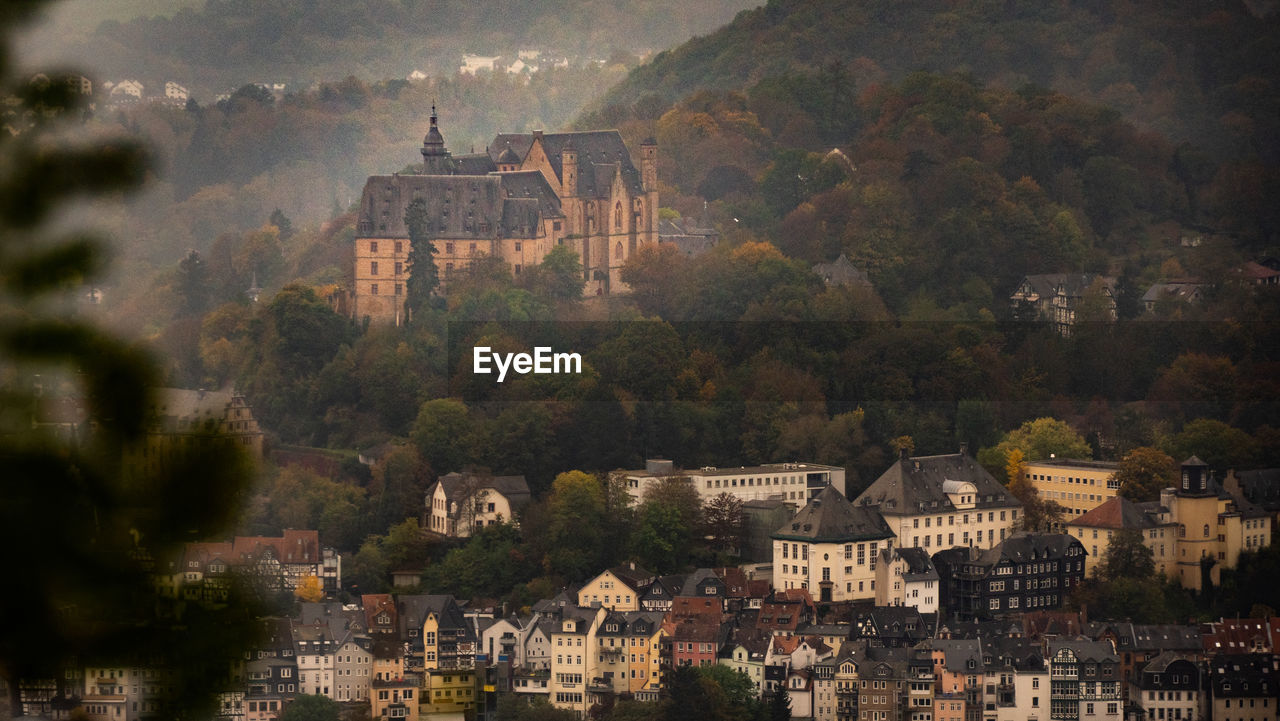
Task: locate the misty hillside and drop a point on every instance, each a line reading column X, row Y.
column 226, row 43
column 1173, row 67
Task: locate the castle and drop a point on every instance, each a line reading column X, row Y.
column 524, row 195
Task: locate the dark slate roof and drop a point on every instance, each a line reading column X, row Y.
column 960, row 655
column 830, row 518
column 478, row 207
column 473, row 164
column 914, row 485
column 413, row 610
column 1023, row 546
column 917, row 559
column 600, row 152
column 1244, row 675
column 514, row 488
column 842, row 271
column 1086, row 651
column 634, row 576
column 691, row 582
column 1073, row 284
column 1262, row 487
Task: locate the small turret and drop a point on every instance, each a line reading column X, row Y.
column 436, row 159
column 569, row 169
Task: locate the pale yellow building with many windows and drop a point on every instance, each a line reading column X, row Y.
column 1076, row 485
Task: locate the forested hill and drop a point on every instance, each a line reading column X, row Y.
column 226, row 43
column 1175, row 67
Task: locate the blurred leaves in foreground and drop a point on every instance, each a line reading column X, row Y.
column 94, row 504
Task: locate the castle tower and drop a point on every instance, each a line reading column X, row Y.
column 569, row 170
column 436, row 159
column 649, row 164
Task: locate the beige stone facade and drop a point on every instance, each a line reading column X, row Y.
column 522, row 197
column 1078, row 486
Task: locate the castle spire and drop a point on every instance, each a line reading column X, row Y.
column 436, row 160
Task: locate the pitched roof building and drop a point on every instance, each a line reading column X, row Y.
column 522, row 197
column 936, row 502
column 830, row 545
column 459, row 503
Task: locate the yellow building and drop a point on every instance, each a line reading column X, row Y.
column 574, row 658
column 1213, row 526
column 1078, row 486
column 617, row 589
column 396, row 698
column 1193, row 531
column 448, row 691
column 523, row 196
column 1096, row 529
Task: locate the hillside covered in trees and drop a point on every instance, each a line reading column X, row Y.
column 217, row 44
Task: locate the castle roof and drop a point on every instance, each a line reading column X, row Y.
column 600, row 153
column 463, row 207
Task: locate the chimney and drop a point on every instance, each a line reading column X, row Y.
column 964, row 448
column 903, row 453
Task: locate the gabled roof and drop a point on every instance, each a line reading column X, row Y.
column 700, row 577
column 915, row 485
column 842, row 271
column 459, row 485
column 1023, row 546
column 918, row 563
column 830, row 518
column 594, row 148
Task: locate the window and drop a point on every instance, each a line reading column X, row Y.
column 399, row 267
column 399, row 289
column 373, row 289
column 399, row 246
column 448, row 247
column 373, row 267
column 373, row 246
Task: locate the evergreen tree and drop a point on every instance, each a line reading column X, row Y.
column 424, row 277
column 780, row 705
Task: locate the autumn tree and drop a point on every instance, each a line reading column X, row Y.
column 725, row 522
column 1038, row 439
column 309, row 589
column 1144, row 472
column 575, row 530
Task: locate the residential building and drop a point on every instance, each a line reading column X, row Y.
column 746, row 654
column 272, row 684
column 448, row 691
column 1161, row 297
column 1025, row 572
column 1096, row 529
column 791, row 482
column 180, row 416
column 841, row 272
column 396, row 698
column 1084, row 681
column 459, row 503
column 906, row 577
column 524, row 196
column 936, row 502
column 437, row 633
column 574, row 661
column 1170, row 686
column 1057, row 297
column 617, row 589
column 1243, row 686
column 832, row 546
column 315, row 651
column 1078, row 486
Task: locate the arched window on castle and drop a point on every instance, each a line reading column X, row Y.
column 617, row 251
column 617, row 215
